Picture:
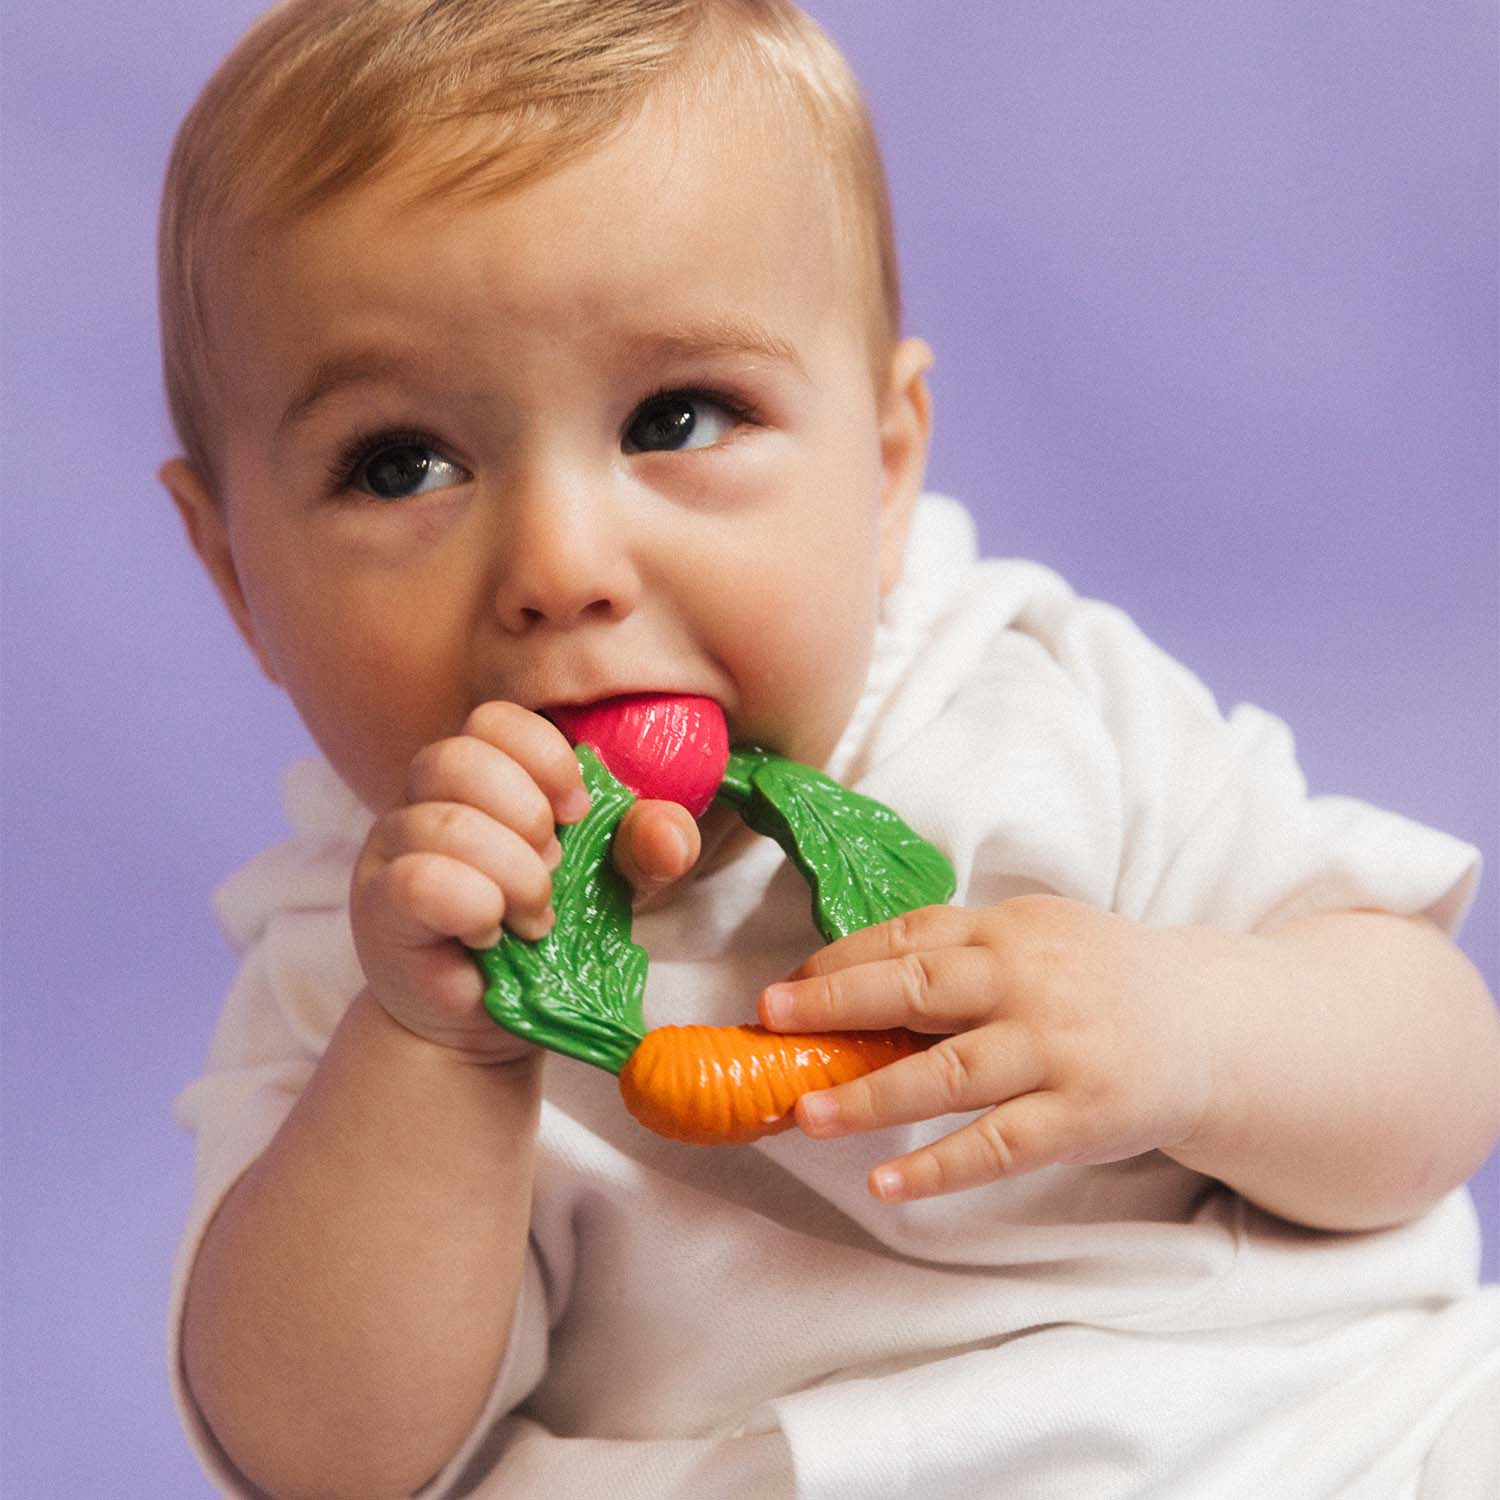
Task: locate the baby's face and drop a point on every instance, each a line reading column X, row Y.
column 613, row 432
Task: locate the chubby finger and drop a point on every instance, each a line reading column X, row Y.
column 462, row 833
column 656, row 843
column 926, row 928
column 429, row 896
column 972, row 1070
column 1033, row 1131
column 540, row 748
column 929, row 990
column 471, row 771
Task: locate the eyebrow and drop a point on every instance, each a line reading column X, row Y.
column 714, row 337
column 345, row 367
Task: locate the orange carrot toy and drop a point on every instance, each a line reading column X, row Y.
column 713, row 1085
column 578, row 990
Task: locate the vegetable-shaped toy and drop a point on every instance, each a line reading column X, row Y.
column 578, row 990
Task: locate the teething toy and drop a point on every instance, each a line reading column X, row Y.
column 578, row 990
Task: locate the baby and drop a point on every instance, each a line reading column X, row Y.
column 526, row 353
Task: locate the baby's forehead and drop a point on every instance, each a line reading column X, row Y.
column 663, row 246
column 736, row 112
column 773, row 185
column 315, row 104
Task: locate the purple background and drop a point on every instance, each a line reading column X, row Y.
column 1213, row 293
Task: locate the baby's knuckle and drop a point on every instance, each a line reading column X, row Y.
column 556, row 755
column 996, row 1147
column 531, row 887
column 899, row 932
column 995, row 928
column 915, row 976
column 954, row 1075
column 492, row 720
column 533, row 820
column 913, row 931
column 1036, row 964
column 450, row 824
column 815, row 1003
column 935, row 1170
column 413, row 881
column 836, row 1002
column 436, row 767
column 862, row 1103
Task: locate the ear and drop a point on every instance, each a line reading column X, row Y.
column 207, row 530
column 905, row 432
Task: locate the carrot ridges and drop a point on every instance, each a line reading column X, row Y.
column 718, row 1085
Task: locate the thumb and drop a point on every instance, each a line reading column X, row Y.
column 656, row 843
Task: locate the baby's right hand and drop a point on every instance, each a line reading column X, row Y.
column 474, row 846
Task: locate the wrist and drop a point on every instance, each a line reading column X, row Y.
column 1221, row 972
column 493, row 1049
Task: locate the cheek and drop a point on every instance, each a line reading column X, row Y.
column 797, row 641
column 370, row 713
column 372, row 679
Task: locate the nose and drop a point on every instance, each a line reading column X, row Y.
column 564, row 559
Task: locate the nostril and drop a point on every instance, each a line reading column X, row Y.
column 528, row 616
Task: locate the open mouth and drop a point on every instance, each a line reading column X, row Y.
column 672, row 746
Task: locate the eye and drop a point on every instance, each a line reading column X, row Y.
column 392, row 466
column 676, row 420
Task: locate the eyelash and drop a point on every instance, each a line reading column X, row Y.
column 360, row 449
column 741, row 411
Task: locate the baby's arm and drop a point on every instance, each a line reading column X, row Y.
column 1343, row 1071
column 352, row 1299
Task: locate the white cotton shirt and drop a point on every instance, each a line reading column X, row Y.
column 746, row 1321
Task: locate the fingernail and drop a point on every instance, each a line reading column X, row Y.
column 819, row 1111
column 778, row 1005
column 683, row 849
column 658, row 861
column 887, row 1183
column 574, row 805
column 552, row 854
column 539, row 928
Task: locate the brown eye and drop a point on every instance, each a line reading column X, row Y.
column 398, row 471
column 677, row 420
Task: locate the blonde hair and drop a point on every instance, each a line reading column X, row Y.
column 320, row 96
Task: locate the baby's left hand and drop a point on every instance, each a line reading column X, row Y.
column 1083, row 1036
